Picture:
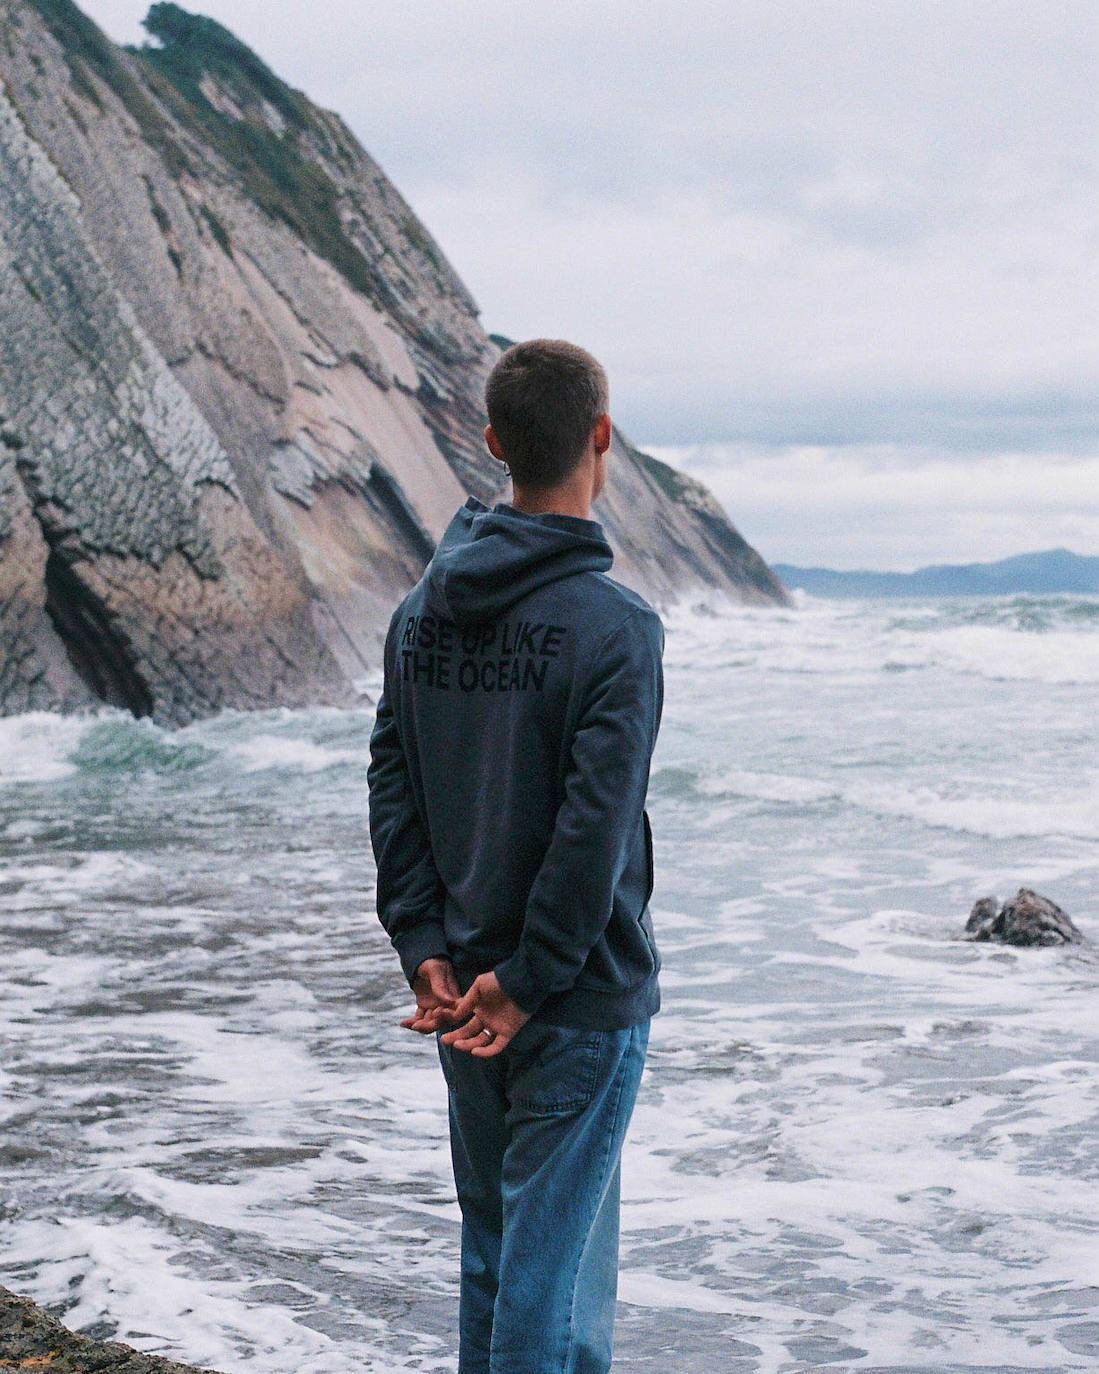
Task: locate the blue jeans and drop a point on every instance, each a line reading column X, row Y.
column 536, row 1137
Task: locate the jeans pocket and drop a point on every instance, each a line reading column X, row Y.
column 558, row 1073
column 444, row 1059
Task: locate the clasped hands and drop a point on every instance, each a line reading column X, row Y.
column 485, row 1020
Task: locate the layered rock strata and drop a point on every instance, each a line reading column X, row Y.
column 241, row 386
column 123, row 527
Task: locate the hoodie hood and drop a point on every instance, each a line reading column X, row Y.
column 489, row 559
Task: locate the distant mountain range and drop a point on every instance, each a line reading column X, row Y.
column 1056, row 570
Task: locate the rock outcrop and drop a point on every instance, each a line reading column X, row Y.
column 1025, row 919
column 32, row 1339
column 240, row 386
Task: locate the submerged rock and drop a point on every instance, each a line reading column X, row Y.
column 1025, row 919
column 985, row 913
column 32, row 1339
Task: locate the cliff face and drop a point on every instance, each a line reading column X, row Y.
column 240, row 386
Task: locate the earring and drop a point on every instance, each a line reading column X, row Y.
column 507, row 470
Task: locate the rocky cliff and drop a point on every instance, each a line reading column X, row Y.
column 240, row 386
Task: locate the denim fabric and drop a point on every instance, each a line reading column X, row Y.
column 536, row 1137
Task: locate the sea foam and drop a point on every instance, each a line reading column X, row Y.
column 862, row 1142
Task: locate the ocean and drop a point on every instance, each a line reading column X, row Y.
column 862, row 1142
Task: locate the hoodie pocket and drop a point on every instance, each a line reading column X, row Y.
column 648, row 856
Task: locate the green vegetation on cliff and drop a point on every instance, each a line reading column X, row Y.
column 260, row 128
column 87, row 50
column 193, row 46
column 263, row 146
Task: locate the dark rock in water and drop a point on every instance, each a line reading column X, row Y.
column 1025, row 919
column 982, row 918
column 32, row 1339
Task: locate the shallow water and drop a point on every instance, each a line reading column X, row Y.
column 862, row 1143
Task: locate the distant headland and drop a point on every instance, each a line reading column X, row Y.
column 1038, row 574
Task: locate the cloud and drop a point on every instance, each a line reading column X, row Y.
column 897, row 508
column 817, row 222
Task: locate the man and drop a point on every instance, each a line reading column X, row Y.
column 509, row 765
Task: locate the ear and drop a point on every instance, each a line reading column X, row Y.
column 599, row 476
column 494, row 445
column 601, row 435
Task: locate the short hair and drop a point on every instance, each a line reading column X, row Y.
column 543, row 398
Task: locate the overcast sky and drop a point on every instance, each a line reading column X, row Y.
column 853, row 242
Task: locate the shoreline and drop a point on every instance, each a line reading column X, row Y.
column 31, row 1339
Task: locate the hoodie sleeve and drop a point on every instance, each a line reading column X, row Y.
column 571, row 899
column 410, row 891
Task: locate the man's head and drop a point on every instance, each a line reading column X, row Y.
column 547, row 406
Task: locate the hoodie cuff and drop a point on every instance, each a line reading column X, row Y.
column 424, row 941
column 515, row 977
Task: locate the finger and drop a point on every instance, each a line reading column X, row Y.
column 446, row 1016
column 485, row 1050
column 442, row 984
column 439, row 1008
column 471, row 1029
column 485, row 1041
column 440, row 1016
column 467, row 1042
column 466, row 1037
column 467, row 1005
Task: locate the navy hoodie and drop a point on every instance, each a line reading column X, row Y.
column 509, row 764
